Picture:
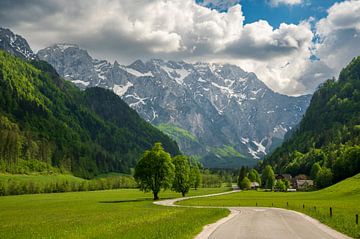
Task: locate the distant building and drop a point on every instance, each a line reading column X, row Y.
column 254, row 185
column 303, row 184
column 301, row 177
column 283, row 176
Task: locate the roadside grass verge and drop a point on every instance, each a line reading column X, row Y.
column 124, row 213
column 343, row 198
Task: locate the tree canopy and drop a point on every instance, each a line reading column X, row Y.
column 182, row 180
column 47, row 124
column 268, row 177
column 154, row 170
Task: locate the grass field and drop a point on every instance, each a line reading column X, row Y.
column 344, row 198
column 124, row 213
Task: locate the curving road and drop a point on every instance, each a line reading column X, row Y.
column 267, row 223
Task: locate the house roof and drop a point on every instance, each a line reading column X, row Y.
column 283, row 176
column 303, row 182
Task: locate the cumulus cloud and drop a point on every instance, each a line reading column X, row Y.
column 220, row 5
column 338, row 43
column 285, row 2
column 181, row 29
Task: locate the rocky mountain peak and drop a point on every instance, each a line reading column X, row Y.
column 15, row 45
column 219, row 112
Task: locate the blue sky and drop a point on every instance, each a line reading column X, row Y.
column 255, row 10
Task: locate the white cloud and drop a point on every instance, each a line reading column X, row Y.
column 339, row 43
column 221, row 5
column 285, row 2
column 180, row 29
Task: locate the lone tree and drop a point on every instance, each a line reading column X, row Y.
column 268, row 177
column 154, row 170
column 182, row 180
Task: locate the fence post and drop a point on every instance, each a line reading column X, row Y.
column 315, row 208
column 331, row 212
column 357, row 219
column 256, row 204
column 303, row 206
column 272, row 204
column 287, row 204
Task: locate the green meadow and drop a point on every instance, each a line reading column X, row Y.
column 343, row 198
column 123, row 213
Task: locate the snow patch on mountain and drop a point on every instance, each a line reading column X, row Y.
column 219, row 104
column 80, row 82
column 139, row 100
column 260, row 147
column 64, row 46
column 244, row 140
column 137, row 73
column 120, row 90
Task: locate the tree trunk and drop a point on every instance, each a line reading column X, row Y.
column 183, row 194
column 156, row 197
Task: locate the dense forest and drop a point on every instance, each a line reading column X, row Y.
column 328, row 137
column 48, row 124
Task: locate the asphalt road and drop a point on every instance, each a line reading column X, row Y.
column 272, row 223
column 261, row 223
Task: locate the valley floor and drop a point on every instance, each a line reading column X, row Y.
column 343, row 198
column 124, row 213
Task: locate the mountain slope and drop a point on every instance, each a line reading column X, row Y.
column 329, row 133
column 222, row 106
column 45, row 120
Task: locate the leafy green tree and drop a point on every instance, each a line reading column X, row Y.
column 154, row 170
column 210, row 180
column 195, row 176
column 182, row 180
column 268, row 177
column 242, row 174
column 287, row 183
column 315, row 169
column 280, row 186
column 254, row 176
column 245, row 184
column 324, row 178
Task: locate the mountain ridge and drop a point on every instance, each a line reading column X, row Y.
column 329, row 133
column 221, row 105
column 202, row 98
column 47, row 121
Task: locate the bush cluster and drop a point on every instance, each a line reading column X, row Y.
column 17, row 187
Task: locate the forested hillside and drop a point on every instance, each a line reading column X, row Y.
column 48, row 124
column 329, row 133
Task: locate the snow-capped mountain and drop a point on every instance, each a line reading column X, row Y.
column 15, row 45
column 218, row 112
